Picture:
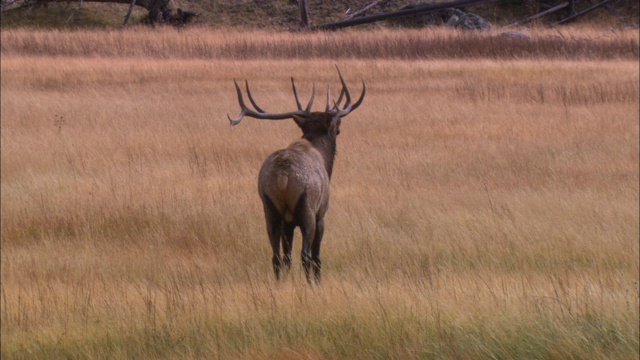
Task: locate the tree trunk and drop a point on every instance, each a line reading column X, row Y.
column 572, row 7
column 304, row 13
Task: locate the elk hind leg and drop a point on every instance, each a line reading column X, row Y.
column 308, row 233
column 274, row 230
column 287, row 243
column 315, row 249
column 306, row 219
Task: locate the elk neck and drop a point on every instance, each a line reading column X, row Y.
column 326, row 145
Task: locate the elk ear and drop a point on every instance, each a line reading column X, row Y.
column 333, row 125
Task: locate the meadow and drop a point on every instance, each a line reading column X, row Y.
column 484, row 197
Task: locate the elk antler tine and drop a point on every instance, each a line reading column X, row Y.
column 239, row 92
column 364, row 90
column 253, row 102
column 342, row 92
column 339, row 98
column 237, row 120
column 242, row 106
column 313, row 95
column 345, row 90
column 295, row 93
column 348, row 107
column 328, row 100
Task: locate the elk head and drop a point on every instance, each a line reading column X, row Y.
column 311, row 123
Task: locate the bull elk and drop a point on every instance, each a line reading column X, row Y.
column 294, row 182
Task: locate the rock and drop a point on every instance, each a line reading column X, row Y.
column 467, row 21
column 453, row 21
column 515, row 35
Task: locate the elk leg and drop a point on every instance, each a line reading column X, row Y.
column 306, row 219
column 315, row 249
column 308, row 228
column 274, row 230
column 308, row 233
column 287, row 243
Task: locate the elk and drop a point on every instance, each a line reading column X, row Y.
column 293, row 183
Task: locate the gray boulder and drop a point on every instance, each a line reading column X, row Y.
column 466, row 21
column 515, row 35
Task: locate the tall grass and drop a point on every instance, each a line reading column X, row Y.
column 480, row 209
column 432, row 43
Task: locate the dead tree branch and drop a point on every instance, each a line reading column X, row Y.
column 536, row 16
column 577, row 15
column 6, row 4
column 126, row 17
column 73, row 13
column 364, row 9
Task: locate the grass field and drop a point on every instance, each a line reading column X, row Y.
column 482, row 206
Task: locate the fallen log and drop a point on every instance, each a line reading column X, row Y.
column 398, row 14
column 577, row 15
column 536, row 16
column 160, row 11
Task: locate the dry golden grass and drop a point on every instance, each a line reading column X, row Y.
column 484, row 208
column 404, row 44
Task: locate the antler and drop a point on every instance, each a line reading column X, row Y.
column 258, row 113
column 348, row 107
